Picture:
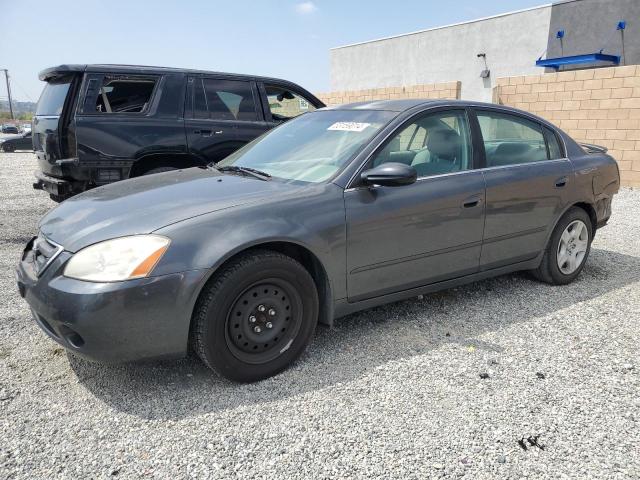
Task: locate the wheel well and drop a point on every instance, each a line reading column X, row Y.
column 315, row 268
column 311, row 263
column 592, row 214
column 149, row 162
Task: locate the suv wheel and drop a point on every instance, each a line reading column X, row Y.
column 159, row 170
column 255, row 317
column 568, row 248
column 8, row 148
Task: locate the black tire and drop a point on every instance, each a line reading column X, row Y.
column 549, row 271
column 159, row 170
column 228, row 311
column 8, row 148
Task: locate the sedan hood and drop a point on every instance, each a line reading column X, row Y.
column 145, row 204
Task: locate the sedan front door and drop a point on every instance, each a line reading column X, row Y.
column 403, row 237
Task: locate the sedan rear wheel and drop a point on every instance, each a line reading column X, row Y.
column 572, row 247
column 255, row 316
column 568, row 248
column 8, row 148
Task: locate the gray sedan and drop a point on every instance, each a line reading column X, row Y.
column 336, row 211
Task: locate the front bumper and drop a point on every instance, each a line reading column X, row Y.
column 112, row 322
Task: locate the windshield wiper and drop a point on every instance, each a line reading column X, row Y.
column 245, row 170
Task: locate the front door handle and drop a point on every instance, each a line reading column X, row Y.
column 561, row 182
column 471, row 202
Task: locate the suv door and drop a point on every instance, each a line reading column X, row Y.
column 526, row 186
column 404, row 237
column 222, row 116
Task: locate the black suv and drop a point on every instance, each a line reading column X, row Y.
column 97, row 124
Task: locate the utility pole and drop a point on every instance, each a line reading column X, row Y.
column 6, row 77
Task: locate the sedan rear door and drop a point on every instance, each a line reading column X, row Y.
column 528, row 183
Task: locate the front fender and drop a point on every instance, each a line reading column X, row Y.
column 315, row 223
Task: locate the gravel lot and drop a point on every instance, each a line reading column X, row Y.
column 393, row 392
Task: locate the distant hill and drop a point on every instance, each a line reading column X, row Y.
column 19, row 108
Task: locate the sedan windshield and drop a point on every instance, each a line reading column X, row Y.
column 312, row 147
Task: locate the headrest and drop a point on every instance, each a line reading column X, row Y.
column 444, row 143
column 512, row 148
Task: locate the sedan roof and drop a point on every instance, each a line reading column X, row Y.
column 401, row 105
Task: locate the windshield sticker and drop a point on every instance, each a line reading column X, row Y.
column 349, row 126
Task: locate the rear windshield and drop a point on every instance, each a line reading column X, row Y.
column 52, row 99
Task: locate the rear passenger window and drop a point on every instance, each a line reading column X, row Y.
column 199, row 100
column 511, row 140
column 124, row 94
column 228, row 100
column 553, row 144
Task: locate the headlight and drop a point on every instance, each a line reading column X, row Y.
column 119, row 259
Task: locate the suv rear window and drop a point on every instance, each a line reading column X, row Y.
column 52, row 99
column 124, row 95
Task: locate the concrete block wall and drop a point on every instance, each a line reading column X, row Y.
column 600, row 106
column 431, row 90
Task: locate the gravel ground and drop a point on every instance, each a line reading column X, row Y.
column 393, row 392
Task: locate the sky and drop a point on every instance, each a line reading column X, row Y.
column 282, row 38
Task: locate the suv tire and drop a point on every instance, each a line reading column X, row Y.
column 159, row 170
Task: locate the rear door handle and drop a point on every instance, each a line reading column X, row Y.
column 205, row 133
column 561, row 182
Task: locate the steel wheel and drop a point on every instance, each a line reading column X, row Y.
column 572, row 247
column 263, row 320
column 255, row 316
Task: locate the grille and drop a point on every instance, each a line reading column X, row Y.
column 43, row 251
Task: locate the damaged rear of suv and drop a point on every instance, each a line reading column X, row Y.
column 97, row 124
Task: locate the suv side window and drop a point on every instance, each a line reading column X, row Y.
column 285, row 104
column 510, row 139
column 433, row 144
column 199, row 100
column 130, row 94
column 227, row 100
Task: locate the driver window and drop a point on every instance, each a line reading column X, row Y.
column 433, row 144
column 285, row 104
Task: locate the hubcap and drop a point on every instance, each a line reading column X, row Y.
column 263, row 320
column 572, row 247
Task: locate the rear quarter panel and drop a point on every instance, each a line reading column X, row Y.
column 596, row 178
column 120, row 138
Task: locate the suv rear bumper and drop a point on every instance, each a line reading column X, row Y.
column 59, row 187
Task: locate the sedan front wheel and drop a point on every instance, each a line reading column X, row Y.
column 255, row 316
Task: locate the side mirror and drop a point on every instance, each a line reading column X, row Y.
column 390, row 174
